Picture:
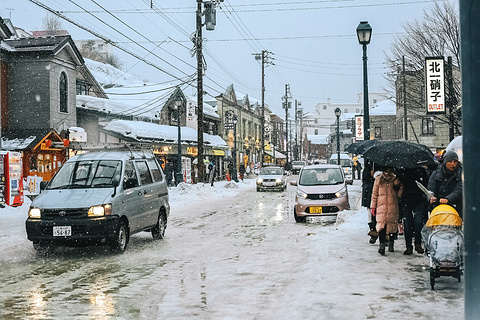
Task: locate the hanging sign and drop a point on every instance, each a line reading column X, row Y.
column 359, row 134
column 435, row 84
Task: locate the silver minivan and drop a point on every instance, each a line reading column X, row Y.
column 100, row 198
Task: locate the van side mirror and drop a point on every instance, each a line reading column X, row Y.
column 43, row 185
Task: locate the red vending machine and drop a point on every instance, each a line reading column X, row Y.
column 13, row 184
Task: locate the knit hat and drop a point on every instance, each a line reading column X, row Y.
column 449, row 156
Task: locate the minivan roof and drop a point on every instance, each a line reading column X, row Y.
column 111, row 155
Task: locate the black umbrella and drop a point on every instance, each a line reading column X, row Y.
column 400, row 154
column 362, row 146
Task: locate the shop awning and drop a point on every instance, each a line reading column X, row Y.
column 278, row 155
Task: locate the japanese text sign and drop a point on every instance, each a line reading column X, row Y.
column 359, row 134
column 435, row 84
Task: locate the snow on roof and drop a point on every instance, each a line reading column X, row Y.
column 106, row 74
column 384, row 108
column 16, row 144
column 140, row 130
column 109, row 106
column 318, row 139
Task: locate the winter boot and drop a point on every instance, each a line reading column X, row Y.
column 381, row 248
column 408, row 251
column 390, row 246
column 419, row 249
column 372, row 233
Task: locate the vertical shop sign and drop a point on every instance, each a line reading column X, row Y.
column 435, row 84
column 359, row 134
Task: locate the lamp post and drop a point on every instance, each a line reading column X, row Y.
column 364, row 33
column 235, row 121
column 177, row 106
column 338, row 112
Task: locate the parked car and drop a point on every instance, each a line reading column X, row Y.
column 100, row 198
column 321, row 192
column 346, row 163
column 297, row 166
column 271, row 178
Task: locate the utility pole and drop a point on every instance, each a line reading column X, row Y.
column 451, row 98
column 265, row 60
column 286, row 105
column 470, row 51
column 404, row 93
column 210, row 22
column 198, row 45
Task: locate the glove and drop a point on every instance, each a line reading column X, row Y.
column 373, row 211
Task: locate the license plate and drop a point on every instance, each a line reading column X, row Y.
column 62, row 231
column 315, row 209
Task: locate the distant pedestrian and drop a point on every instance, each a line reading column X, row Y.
column 357, row 169
column 169, row 173
column 387, row 189
column 241, row 170
column 446, row 182
column 211, row 173
column 413, row 207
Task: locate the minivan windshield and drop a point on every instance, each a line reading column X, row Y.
column 320, row 176
column 87, row 174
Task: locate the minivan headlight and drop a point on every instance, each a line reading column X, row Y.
column 259, row 180
column 301, row 194
column 99, row 211
column 341, row 193
column 278, row 180
column 35, row 213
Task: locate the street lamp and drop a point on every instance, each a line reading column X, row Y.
column 338, row 112
column 364, row 33
column 235, row 121
column 177, row 106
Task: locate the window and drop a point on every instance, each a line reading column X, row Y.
column 428, row 126
column 157, row 175
column 374, row 100
column 63, row 93
column 316, row 131
column 324, row 107
column 130, row 179
column 378, row 132
column 345, row 110
column 357, row 111
column 316, row 120
column 144, row 173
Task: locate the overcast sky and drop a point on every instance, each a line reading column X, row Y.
column 314, row 44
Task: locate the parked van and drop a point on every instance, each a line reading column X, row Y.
column 346, row 163
column 100, row 198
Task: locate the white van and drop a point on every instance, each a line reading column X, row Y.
column 346, row 164
column 100, row 198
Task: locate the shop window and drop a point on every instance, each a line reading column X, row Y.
column 63, row 93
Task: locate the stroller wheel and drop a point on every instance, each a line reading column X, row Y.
column 432, row 278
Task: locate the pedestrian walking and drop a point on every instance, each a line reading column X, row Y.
column 446, row 182
column 357, row 169
column 241, row 170
column 413, row 207
column 387, row 189
column 211, row 173
column 169, row 173
column 367, row 185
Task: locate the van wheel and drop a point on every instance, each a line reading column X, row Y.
column 158, row 231
column 119, row 243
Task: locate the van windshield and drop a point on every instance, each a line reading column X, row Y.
column 87, row 174
column 343, row 162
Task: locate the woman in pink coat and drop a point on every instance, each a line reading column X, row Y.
column 384, row 205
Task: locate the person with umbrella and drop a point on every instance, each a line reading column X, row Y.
column 387, row 189
column 367, row 186
column 446, row 182
column 413, row 206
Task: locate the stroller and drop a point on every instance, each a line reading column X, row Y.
column 443, row 238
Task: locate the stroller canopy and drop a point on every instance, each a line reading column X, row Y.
column 444, row 215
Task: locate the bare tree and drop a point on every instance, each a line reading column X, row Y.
column 437, row 33
column 113, row 60
column 52, row 24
